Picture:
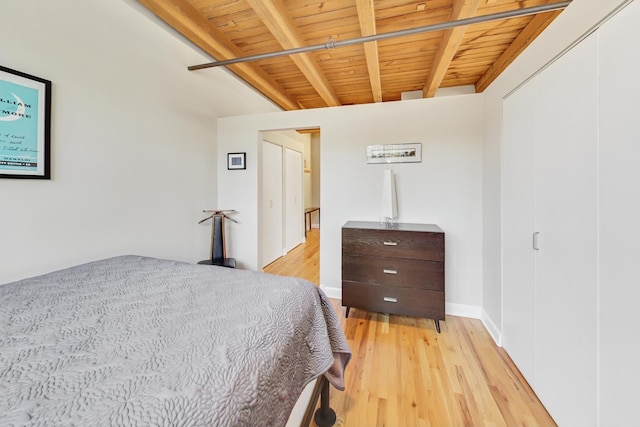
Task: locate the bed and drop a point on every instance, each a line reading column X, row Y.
column 134, row 340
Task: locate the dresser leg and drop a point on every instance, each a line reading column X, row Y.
column 437, row 325
column 347, row 315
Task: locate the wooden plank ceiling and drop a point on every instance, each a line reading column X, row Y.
column 362, row 73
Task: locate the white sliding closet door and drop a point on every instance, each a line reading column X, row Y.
column 518, row 224
column 619, row 214
column 272, row 242
column 566, row 217
column 294, row 204
column 550, row 172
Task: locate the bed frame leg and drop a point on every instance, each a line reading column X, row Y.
column 325, row 416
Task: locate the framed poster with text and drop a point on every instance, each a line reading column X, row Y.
column 25, row 125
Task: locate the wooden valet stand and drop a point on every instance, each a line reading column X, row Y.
column 218, row 255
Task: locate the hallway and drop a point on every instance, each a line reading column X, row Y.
column 303, row 261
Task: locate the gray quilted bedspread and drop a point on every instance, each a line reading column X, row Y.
column 143, row 341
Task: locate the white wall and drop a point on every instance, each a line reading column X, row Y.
column 308, row 188
column 288, row 138
column 133, row 137
column 444, row 189
column 315, row 174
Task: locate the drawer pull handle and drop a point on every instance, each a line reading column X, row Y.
column 389, row 299
column 386, row 243
column 388, row 271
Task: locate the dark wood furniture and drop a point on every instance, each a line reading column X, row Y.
column 218, row 250
column 395, row 269
column 307, row 213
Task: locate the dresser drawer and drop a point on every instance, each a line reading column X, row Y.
column 394, row 272
column 393, row 243
column 394, row 300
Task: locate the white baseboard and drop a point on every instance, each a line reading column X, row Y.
column 493, row 330
column 335, row 293
column 463, row 310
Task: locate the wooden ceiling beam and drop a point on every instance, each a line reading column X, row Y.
column 451, row 40
column 520, row 43
column 367, row 18
column 275, row 17
column 188, row 21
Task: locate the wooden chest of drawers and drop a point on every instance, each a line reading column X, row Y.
column 397, row 270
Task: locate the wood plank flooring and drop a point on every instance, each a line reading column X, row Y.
column 302, row 261
column 404, row 374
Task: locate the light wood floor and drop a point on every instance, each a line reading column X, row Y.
column 403, row 373
column 303, row 261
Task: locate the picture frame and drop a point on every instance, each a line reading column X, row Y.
column 236, row 161
column 394, row 153
column 25, row 125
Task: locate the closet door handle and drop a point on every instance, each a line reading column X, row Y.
column 536, row 238
column 389, row 271
column 390, row 299
column 387, row 243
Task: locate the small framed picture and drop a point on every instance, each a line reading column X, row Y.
column 236, row 161
column 394, row 153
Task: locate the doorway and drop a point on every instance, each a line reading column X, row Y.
column 295, row 172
